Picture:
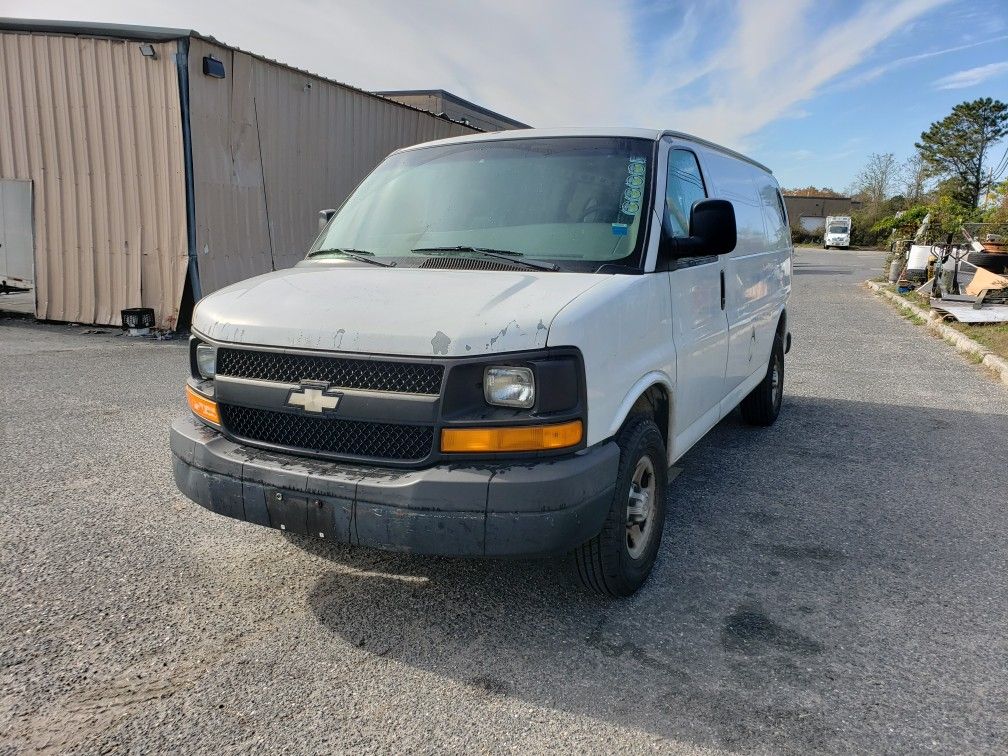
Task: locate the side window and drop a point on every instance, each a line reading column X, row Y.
column 774, row 214
column 683, row 187
column 783, row 210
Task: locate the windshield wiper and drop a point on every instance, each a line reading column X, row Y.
column 507, row 255
column 361, row 255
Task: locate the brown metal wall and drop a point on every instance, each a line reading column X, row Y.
column 270, row 152
column 799, row 205
column 98, row 129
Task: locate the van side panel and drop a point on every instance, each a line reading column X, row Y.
column 751, row 270
column 623, row 327
column 780, row 252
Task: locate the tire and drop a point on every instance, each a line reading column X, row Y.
column 614, row 563
column 762, row 406
column 994, row 262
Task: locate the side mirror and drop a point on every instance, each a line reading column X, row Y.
column 712, row 231
column 324, row 216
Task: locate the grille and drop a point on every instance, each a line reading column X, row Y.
column 367, row 375
column 350, row 438
column 466, row 263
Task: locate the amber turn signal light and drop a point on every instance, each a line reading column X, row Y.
column 202, row 407
column 522, row 438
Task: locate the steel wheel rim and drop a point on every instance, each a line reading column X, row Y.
column 640, row 508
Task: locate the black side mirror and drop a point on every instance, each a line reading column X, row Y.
column 712, row 231
column 324, row 216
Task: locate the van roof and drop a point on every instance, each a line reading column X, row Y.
column 586, row 131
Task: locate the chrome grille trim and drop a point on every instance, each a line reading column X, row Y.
column 339, row 372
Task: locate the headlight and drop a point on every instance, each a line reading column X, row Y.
column 206, row 360
column 509, row 387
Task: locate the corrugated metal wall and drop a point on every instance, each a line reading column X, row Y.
column 269, row 152
column 98, row 129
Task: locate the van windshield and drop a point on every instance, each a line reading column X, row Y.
column 577, row 202
column 838, row 229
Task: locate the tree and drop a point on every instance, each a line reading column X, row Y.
column 811, row 191
column 957, row 147
column 998, row 211
column 913, row 177
column 875, row 181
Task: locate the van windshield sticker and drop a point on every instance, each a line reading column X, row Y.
column 620, row 229
column 634, row 192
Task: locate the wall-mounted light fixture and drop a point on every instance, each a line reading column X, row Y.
column 213, row 67
column 148, row 51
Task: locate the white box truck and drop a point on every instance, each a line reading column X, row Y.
column 837, row 231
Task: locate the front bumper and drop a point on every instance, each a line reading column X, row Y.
column 529, row 508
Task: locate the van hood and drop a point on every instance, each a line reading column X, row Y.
column 407, row 311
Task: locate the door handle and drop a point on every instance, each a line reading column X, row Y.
column 722, row 289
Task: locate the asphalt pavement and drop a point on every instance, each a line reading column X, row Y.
column 836, row 583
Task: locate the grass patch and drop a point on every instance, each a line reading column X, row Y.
column 993, row 336
column 918, row 299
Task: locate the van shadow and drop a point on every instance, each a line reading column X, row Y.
column 781, row 547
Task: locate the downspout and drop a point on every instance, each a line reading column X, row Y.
column 182, row 62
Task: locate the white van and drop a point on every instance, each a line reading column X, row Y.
column 837, row 231
column 497, row 346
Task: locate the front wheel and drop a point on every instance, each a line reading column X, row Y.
column 763, row 403
column 619, row 559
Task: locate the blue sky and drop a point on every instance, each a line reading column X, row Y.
column 885, row 102
column 809, row 87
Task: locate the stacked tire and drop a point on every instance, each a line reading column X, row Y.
column 995, row 262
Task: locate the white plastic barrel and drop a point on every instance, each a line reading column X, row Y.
column 917, row 262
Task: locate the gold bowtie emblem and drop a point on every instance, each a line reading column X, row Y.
column 314, row 398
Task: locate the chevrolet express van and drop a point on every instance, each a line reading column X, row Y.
column 497, row 346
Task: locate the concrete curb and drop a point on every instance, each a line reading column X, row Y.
column 933, row 322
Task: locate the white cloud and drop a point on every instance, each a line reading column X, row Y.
column 971, row 76
column 723, row 68
column 777, row 58
column 561, row 63
column 874, row 73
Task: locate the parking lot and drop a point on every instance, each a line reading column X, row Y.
column 834, row 583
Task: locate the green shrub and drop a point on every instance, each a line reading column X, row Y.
column 800, row 236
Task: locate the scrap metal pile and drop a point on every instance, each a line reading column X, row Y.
column 967, row 281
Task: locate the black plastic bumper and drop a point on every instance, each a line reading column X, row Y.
column 525, row 509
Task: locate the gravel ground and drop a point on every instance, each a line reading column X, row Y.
column 835, row 583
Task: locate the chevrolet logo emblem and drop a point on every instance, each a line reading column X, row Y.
column 314, row 397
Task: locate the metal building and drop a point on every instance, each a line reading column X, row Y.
column 452, row 106
column 164, row 165
column 810, row 212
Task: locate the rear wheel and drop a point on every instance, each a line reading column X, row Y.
column 619, row 559
column 763, row 404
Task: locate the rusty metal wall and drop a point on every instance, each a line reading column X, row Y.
column 270, row 151
column 98, row 129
